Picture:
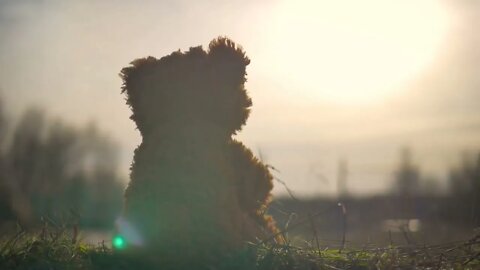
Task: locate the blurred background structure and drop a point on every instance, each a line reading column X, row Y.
column 373, row 103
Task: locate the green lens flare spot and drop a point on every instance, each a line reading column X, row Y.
column 118, row 242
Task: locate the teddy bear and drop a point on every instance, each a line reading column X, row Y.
column 193, row 188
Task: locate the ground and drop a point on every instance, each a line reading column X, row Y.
column 58, row 248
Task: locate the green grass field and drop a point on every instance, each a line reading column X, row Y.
column 59, row 249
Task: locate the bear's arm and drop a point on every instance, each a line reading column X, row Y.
column 253, row 179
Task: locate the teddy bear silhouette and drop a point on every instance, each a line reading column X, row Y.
column 192, row 184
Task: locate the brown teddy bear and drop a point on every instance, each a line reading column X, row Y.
column 194, row 190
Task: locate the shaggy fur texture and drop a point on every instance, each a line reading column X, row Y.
column 193, row 188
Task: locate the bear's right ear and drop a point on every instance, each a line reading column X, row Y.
column 134, row 78
column 136, row 66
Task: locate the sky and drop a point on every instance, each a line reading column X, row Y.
column 330, row 80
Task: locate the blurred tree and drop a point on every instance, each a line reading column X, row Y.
column 23, row 161
column 52, row 168
column 430, row 186
column 97, row 181
column 464, row 185
column 5, row 210
column 406, row 185
column 54, row 177
column 463, row 179
column 3, row 127
column 106, row 203
column 407, row 176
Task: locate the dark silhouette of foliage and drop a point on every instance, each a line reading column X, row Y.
column 194, row 190
column 3, row 126
column 464, row 184
column 24, row 162
column 406, row 185
column 5, row 211
column 49, row 169
column 407, row 177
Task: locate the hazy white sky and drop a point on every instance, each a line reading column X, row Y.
column 329, row 79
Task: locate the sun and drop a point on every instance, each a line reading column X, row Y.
column 354, row 52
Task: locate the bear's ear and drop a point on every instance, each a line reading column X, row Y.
column 223, row 48
column 228, row 64
column 133, row 78
column 136, row 66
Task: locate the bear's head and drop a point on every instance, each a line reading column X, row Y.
column 196, row 88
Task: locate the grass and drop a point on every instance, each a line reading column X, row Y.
column 58, row 248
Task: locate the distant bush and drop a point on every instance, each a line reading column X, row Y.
column 49, row 168
column 464, row 185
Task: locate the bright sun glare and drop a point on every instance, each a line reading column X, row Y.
column 354, row 52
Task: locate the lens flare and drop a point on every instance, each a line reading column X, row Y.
column 126, row 233
column 118, row 242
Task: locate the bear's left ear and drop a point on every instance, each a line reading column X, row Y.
column 228, row 64
column 223, row 49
